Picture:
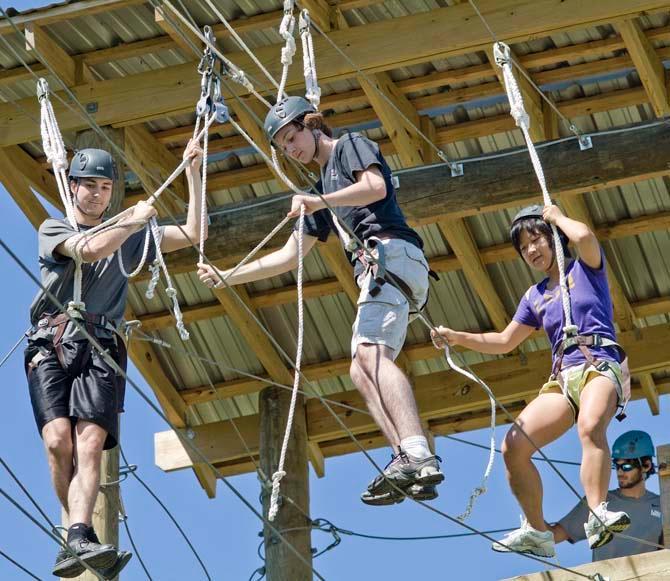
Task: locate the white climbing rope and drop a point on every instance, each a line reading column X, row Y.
column 481, row 489
column 312, row 89
column 503, row 59
column 255, row 251
column 54, row 149
column 280, row 473
column 145, row 253
column 286, row 28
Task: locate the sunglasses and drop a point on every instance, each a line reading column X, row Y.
column 624, row 466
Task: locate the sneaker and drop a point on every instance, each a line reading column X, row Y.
column 600, row 531
column 116, row 568
column 527, row 540
column 403, row 471
column 416, row 491
column 93, row 554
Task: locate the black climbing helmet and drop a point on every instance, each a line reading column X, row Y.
column 532, row 211
column 284, row 112
column 92, row 163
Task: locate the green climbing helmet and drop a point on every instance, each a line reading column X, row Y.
column 284, row 112
column 92, row 163
column 633, row 444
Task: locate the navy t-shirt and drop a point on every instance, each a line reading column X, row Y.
column 354, row 153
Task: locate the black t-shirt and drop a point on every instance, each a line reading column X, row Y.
column 353, row 153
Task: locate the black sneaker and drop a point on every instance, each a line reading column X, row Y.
column 93, row 554
column 405, row 470
column 116, row 568
column 416, row 491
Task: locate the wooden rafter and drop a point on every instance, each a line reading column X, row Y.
column 650, row 392
column 39, row 178
column 152, row 162
column 539, row 113
column 649, row 66
column 18, row 186
column 429, row 194
column 440, row 396
column 576, row 207
column 339, row 367
column 395, row 43
column 183, row 38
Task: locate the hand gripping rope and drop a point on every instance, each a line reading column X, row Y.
column 210, row 108
column 280, row 473
column 503, row 59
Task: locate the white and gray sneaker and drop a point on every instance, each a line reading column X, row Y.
column 527, row 540
column 600, row 531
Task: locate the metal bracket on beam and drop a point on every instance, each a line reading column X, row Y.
column 456, row 169
column 585, row 142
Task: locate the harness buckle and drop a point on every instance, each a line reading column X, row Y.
column 43, row 323
column 603, row 365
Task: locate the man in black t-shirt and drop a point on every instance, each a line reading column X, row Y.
column 356, row 182
column 75, row 392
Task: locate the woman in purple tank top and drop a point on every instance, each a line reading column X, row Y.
column 587, row 384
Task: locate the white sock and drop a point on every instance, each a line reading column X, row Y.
column 416, row 446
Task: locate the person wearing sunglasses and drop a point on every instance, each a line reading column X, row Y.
column 632, row 461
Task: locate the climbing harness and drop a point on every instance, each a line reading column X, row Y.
column 210, row 108
column 571, row 335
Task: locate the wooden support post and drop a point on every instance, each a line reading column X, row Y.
column 107, row 506
column 663, row 458
column 281, row 564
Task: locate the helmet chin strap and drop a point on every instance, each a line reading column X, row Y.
column 76, row 201
column 315, row 135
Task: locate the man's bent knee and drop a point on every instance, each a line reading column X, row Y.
column 90, row 438
column 57, row 435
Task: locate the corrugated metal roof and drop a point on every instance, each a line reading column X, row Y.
column 641, row 262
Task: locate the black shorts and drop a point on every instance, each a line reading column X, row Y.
column 76, row 383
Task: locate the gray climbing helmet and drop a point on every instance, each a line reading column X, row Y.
column 532, row 211
column 92, row 163
column 283, row 112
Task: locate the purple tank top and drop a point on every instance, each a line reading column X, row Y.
column 591, row 311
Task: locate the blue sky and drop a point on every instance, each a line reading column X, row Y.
column 225, row 531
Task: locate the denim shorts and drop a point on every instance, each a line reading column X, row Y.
column 382, row 319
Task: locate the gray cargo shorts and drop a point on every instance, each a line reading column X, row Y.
column 382, row 319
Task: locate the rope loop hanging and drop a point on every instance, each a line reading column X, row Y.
column 312, row 89
column 280, row 473
column 502, row 56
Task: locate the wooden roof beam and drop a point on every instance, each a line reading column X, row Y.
column 53, row 57
column 18, row 186
column 650, row 392
column 460, row 240
column 446, row 263
column 575, row 207
column 430, row 193
column 339, row 367
column 648, row 65
column 439, row 395
column 533, row 102
column 181, row 37
column 41, row 180
column 152, row 163
column 134, row 98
